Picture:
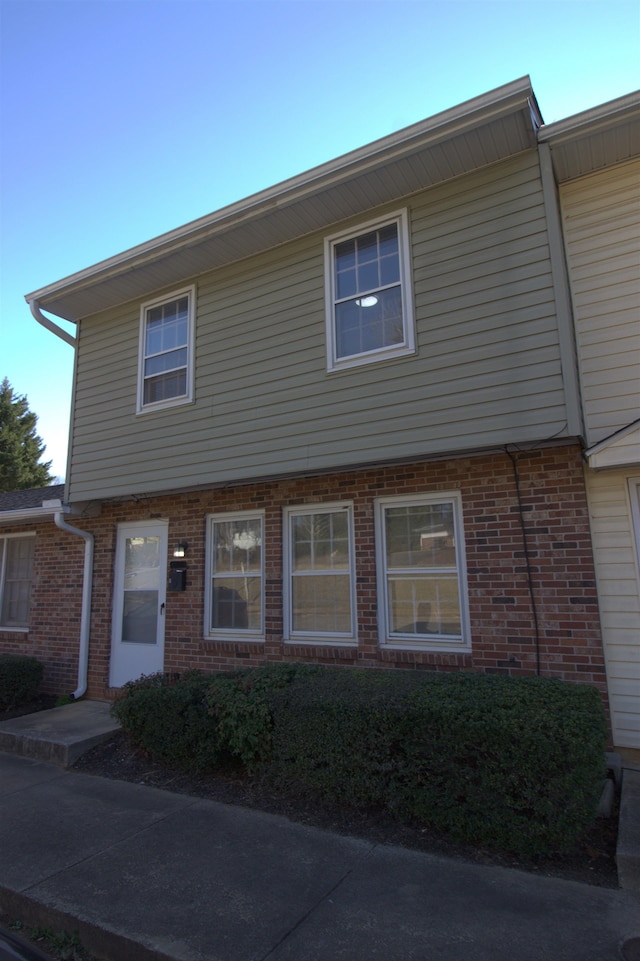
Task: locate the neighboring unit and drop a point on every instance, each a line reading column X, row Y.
column 340, row 421
column 600, row 199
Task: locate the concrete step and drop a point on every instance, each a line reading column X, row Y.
column 61, row 735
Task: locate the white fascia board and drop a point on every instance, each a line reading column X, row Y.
column 480, row 110
column 588, row 121
column 31, row 514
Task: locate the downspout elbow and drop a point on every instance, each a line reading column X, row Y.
column 85, row 618
column 50, row 325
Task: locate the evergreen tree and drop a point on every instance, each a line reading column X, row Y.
column 20, row 446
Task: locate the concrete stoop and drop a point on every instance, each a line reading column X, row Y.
column 61, row 735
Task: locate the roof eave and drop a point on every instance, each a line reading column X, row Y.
column 511, row 99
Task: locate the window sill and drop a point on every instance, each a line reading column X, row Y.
column 439, row 647
column 227, row 637
column 307, row 640
column 360, row 360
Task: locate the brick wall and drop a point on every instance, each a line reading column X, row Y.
column 504, row 640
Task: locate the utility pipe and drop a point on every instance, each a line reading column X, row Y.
column 85, row 617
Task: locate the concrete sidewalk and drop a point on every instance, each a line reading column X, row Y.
column 144, row 874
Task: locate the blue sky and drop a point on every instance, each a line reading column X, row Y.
column 122, row 119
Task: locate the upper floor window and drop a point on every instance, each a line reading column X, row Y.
column 422, row 592
column 235, row 581
column 166, row 351
column 319, row 574
column 368, row 293
column 16, row 570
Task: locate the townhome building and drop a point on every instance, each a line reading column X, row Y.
column 341, row 421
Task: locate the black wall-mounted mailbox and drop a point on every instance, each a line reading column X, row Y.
column 177, row 576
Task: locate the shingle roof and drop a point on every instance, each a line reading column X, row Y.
column 24, row 500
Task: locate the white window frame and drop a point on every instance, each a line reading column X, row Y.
column 4, row 538
column 334, row 363
column 346, row 639
column 437, row 642
column 187, row 397
column 232, row 633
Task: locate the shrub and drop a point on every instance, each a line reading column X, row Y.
column 240, row 705
column 20, row 679
column 514, row 764
column 167, row 717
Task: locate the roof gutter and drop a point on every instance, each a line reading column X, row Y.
column 50, row 325
column 85, row 618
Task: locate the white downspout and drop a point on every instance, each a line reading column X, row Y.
column 85, row 617
column 50, row 325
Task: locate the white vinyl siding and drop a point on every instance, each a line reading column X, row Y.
column 486, row 370
column 319, row 575
column 601, row 215
column 16, row 572
column 614, row 505
column 422, row 593
column 234, row 602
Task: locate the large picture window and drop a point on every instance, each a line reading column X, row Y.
column 235, row 591
column 421, row 570
column 16, row 571
column 369, row 303
column 319, row 579
column 166, row 351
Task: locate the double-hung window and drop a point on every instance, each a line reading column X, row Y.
column 422, row 592
column 368, row 293
column 16, row 571
column 165, row 373
column 235, row 576
column 319, row 574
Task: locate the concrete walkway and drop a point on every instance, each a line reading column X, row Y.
column 145, row 874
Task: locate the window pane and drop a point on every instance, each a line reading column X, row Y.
column 139, row 617
column 321, row 604
column 236, row 603
column 171, row 360
column 420, row 536
column 165, row 386
column 320, row 541
column 237, row 546
column 424, row 605
column 16, row 590
column 369, row 326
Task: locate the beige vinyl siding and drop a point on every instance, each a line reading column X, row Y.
column 601, row 215
column 619, row 598
column 486, row 371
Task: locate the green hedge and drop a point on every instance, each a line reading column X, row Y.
column 20, row 679
column 168, row 718
column 513, row 764
column 510, row 763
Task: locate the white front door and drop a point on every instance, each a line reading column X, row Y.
column 139, row 597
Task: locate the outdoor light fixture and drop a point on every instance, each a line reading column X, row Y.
column 180, row 549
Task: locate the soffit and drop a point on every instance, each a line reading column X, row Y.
column 482, row 131
column 598, row 138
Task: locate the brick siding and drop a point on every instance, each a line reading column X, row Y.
column 556, row 527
